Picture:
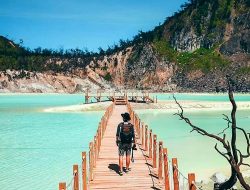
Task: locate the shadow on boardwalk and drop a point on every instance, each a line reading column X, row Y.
column 114, row 167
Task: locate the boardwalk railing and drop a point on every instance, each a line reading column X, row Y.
column 158, row 154
column 100, row 96
column 88, row 167
column 166, row 169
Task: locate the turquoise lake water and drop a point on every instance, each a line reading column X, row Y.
column 195, row 152
column 38, row 149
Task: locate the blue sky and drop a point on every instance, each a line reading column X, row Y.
column 80, row 23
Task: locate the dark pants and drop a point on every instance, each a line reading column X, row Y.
column 124, row 147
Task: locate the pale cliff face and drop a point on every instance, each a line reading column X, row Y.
column 146, row 72
column 14, row 81
column 115, row 65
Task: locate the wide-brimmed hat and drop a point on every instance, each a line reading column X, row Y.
column 126, row 116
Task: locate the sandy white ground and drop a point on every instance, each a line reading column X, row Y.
column 161, row 105
column 80, row 107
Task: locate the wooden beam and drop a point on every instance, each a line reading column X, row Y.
column 166, row 173
column 91, row 161
column 191, row 181
column 76, row 177
column 154, row 151
column 150, row 144
column 175, row 173
column 146, row 138
column 84, row 171
column 62, row 186
column 142, row 135
column 160, row 160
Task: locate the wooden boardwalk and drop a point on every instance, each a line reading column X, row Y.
column 152, row 168
column 142, row 175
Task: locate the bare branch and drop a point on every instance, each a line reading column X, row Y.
column 221, row 153
column 228, row 124
column 233, row 119
column 241, row 158
column 200, row 130
column 244, row 164
column 248, row 142
column 226, row 118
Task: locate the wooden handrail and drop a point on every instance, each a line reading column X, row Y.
column 166, row 173
column 150, row 154
column 76, row 177
column 62, row 186
column 142, row 135
column 175, row 173
column 191, row 181
column 146, row 138
column 160, row 160
column 149, row 143
column 154, row 151
column 84, row 170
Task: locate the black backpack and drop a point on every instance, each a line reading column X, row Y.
column 126, row 133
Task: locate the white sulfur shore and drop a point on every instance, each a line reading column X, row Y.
column 192, row 106
column 80, row 108
column 168, row 106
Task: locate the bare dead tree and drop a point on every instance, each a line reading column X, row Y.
column 231, row 152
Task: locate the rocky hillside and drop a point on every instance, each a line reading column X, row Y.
column 46, row 71
column 194, row 50
column 49, row 82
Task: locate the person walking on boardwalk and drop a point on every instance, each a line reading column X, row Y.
column 125, row 136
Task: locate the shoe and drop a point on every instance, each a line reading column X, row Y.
column 120, row 173
column 127, row 170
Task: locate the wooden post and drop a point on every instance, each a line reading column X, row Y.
column 146, row 138
column 99, row 137
column 102, row 125
column 175, row 173
column 156, row 100
column 91, row 161
column 99, row 140
column 154, row 151
column 87, row 97
column 139, row 126
column 97, row 144
column 84, row 171
column 160, row 161
column 62, row 186
column 150, row 144
column 136, row 124
column 191, row 181
column 76, row 177
column 94, row 151
column 166, row 174
column 142, row 136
